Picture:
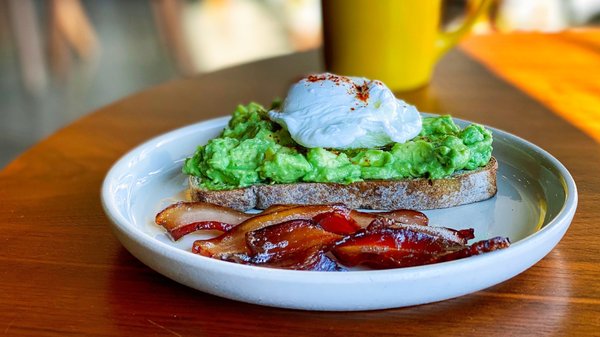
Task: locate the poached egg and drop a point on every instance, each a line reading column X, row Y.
column 332, row 111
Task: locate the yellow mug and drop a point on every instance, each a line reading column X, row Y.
column 395, row 41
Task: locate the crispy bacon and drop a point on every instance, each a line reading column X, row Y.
column 363, row 219
column 466, row 234
column 407, row 216
column 183, row 218
column 385, row 244
column 479, row 247
column 447, row 234
column 346, row 223
column 276, row 208
column 302, row 237
column 233, row 243
column 179, row 232
column 295, row 244
column 337, row 222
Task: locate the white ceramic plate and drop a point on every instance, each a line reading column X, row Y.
column 536, row 201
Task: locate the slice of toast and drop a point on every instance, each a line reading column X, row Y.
column 462, row 187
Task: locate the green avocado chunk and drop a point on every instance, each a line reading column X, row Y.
column 254, row 150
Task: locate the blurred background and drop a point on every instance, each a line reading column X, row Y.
column 60, row 59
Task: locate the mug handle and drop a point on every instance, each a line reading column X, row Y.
column 446, row 40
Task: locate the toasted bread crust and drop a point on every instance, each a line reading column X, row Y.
column 461, row 188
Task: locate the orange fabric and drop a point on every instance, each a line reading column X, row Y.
column 561, row 70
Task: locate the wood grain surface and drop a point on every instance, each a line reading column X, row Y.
column 62, row 272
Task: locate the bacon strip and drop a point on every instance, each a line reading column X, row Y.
column 178, row 232
column 277, row 208
column 296, row 244
column 337, row 222
column 385, row 244
column 183, row 218
column 301, row 237
column 442, row 233
column 232, row 243
column 476, row 248
column 406, row 216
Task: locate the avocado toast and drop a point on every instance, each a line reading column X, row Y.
column 255, row 163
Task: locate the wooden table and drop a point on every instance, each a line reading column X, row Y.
column 62, row 271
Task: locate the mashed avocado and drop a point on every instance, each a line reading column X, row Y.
column 254, row 150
